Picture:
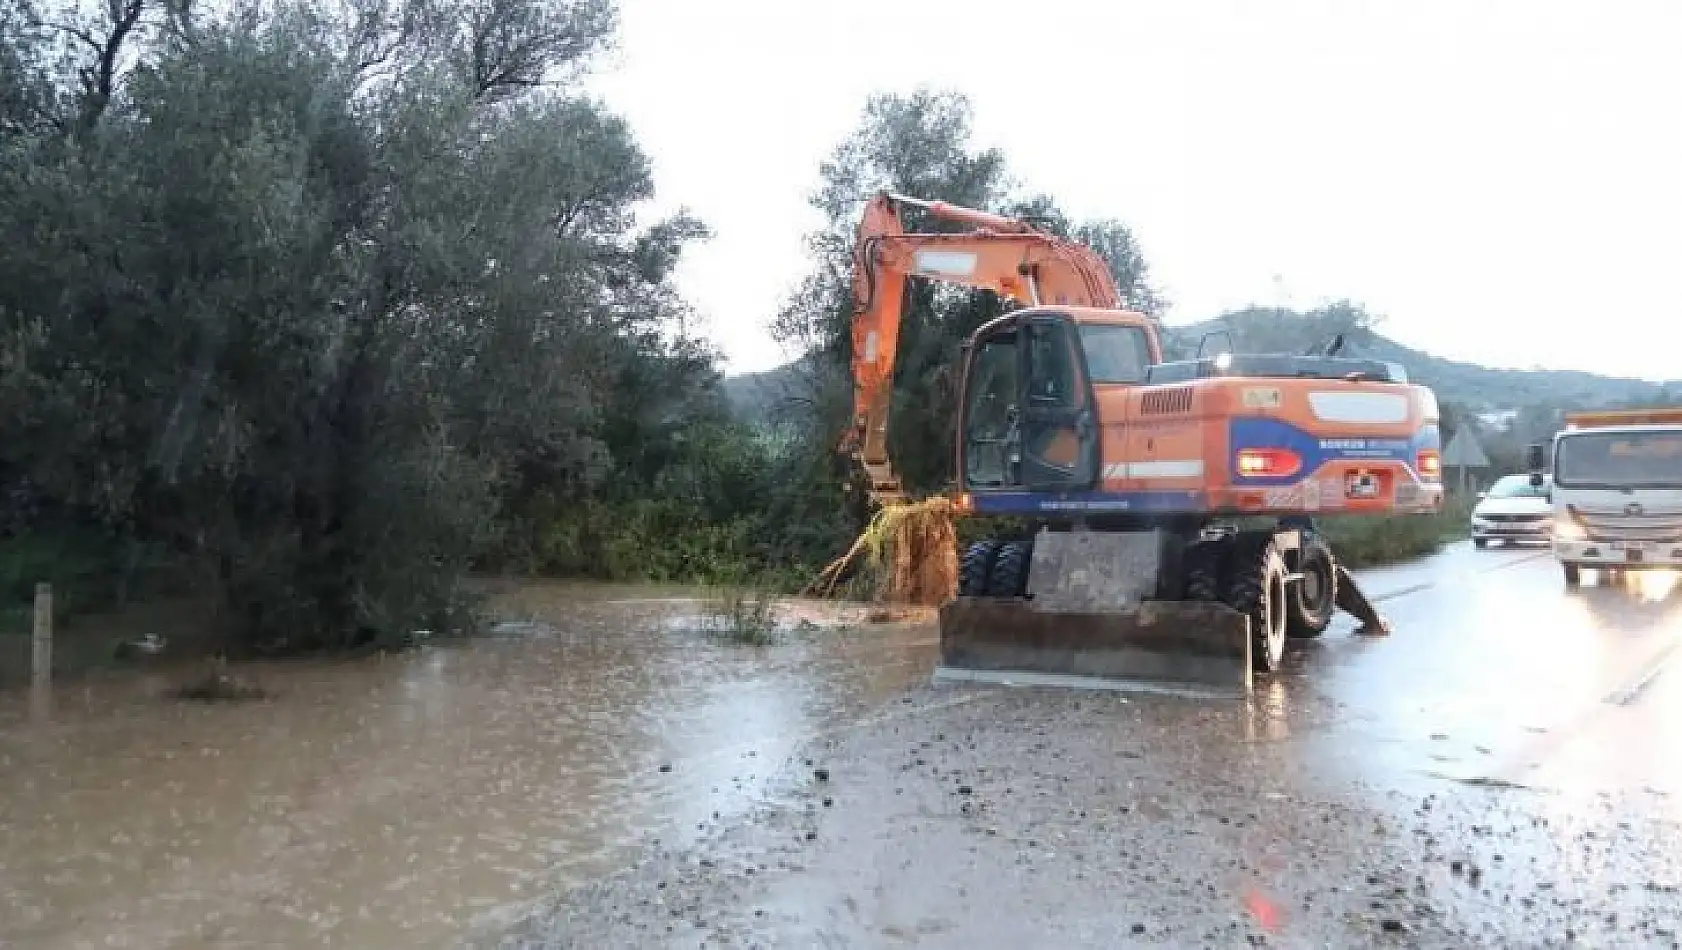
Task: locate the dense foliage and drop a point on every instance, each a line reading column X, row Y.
column 327, row 303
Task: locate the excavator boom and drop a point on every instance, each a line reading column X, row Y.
column 1005, row 255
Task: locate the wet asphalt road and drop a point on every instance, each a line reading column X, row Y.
column 1498, row 772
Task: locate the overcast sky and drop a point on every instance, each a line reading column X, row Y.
column 1502, row 181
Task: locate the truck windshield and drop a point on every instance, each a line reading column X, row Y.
column 1620, row 460
column 1115, row 354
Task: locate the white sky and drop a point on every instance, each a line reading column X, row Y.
column 1502, row 181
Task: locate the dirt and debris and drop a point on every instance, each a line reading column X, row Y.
column 1009, row 820
column 911, row 549
column 216, row 682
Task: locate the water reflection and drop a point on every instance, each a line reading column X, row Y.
column 1267, row 714
column 404, row 802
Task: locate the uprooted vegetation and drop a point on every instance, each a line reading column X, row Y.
column 908, row 553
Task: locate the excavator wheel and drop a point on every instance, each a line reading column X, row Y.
column 976, row 567
column 1009, row 576
column 1202, row 567
column 1256, row 585
column 1312, row 600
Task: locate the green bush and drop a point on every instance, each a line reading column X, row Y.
column 90, row 569
column 1367, row 541
column 1358, row 540
column 659, row 541
column 744, row 615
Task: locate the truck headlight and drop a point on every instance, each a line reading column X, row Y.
column 1567, row 530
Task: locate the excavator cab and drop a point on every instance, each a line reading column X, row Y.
column 1030, row 407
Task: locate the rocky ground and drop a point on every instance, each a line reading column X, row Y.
column 988, row 817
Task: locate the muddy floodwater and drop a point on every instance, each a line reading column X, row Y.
column 417, row 800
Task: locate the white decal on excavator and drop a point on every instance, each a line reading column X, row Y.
column 1359, row 407
column 944, row 263
column 1162, row 468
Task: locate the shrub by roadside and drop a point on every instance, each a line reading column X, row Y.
column 1372, row 541
column 1359, row 541
column 744, row 615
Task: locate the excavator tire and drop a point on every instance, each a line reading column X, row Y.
column 1009, row 576
column 1312, row 601
column 975, row 568
column 1203, row 572
column 1256, row 586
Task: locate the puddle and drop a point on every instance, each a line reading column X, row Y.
column 412, row 801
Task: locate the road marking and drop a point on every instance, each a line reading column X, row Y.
column 1393, row 594
column 1428, row 585
column 1627, row 694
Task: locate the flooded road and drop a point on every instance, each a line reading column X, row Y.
column 1492, row 774
column 408, row 801
column 630, row 781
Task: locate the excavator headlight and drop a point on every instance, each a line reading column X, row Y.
column 1430, row 465
column 1268, row 463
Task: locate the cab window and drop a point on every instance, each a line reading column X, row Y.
column 1115, row 354
column 1051, row 375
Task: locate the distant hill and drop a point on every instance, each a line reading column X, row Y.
column 1480, row 389
column 759, row 397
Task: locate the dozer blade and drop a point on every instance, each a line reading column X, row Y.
column 1182, row 647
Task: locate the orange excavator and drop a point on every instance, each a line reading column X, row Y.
column 1134, row 472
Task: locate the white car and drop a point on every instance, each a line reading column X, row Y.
column 1514, row 510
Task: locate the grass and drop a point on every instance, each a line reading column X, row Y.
column 744, row 615
column 216, row 683
column 1373, row 541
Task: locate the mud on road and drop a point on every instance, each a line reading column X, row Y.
column 995, row 818
column 1455, row 785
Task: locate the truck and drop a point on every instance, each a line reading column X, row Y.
column 1169, row 504
column 1616, row 490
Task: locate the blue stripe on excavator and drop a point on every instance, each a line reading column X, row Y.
column 1250, row 432
column 1246, row 432
column 1026, row 503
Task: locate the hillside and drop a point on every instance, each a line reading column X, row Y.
column 1476, row 387
column 758, row 397
column 1480, row 389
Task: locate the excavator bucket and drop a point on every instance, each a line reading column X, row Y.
column 1088, row 624
column 1182, row 647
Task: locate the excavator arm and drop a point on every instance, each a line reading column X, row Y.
column 1004, row 255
